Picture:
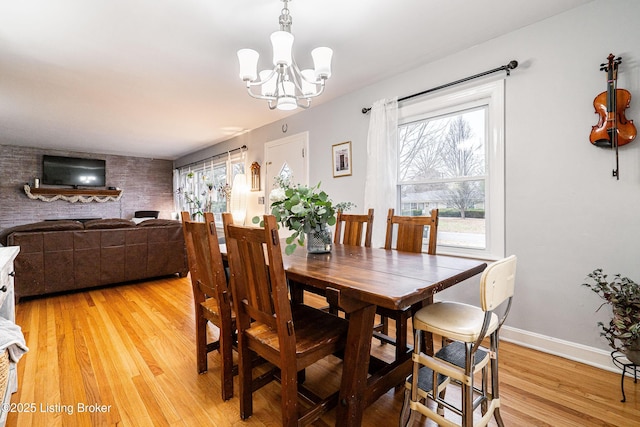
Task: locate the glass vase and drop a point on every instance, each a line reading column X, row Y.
column 319, row 241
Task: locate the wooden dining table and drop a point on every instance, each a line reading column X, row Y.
column 357, row 280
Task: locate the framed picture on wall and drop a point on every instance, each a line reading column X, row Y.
column 341, row 159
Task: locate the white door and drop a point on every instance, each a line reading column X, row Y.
column 286, row 157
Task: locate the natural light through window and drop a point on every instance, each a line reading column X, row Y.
column 451, row 159
column 206, row 187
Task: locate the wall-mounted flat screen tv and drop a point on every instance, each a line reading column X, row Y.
column 77, row 172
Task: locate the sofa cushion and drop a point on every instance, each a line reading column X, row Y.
column 159, row 222
column 58, row 225
column 108, row 223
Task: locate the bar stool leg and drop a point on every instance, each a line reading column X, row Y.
column 404, row 413
column 495, row 392
column 467, row 390
column 417, row 344
column 484, row 405
column 413, row 418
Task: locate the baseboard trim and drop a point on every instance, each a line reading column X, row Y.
column 569, row 350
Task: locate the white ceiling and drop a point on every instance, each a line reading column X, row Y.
column 158, row 78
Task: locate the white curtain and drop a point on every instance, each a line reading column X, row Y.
column 381, row 183
column 183, row 190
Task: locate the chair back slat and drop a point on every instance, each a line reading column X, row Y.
column 410, row 231
column 497, row 283
column 351, row 227
column 258, row 276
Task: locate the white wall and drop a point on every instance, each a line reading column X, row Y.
column 565, row 214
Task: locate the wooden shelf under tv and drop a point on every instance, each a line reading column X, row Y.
column 72, row 195
column 75, row 191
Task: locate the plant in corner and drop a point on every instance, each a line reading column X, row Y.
column 623, row 295
column 303, row 210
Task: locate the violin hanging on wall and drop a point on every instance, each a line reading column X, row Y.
column 613, row 128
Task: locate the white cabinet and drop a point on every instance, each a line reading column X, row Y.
column 8, row 311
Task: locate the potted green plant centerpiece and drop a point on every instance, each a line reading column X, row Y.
column 307, row 211
column 623, row 295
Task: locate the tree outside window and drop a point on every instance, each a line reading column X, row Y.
column 443, row 166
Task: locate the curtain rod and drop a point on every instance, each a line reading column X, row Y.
column 510, row 66
column 215, row 156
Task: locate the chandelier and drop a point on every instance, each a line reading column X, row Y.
column 285, row 87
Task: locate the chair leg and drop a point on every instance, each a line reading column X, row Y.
column 201, row 343
column 226, row 353
column 382, row 328
column 289, row 398
column 245, row 373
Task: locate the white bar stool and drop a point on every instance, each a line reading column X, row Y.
column 464, row 327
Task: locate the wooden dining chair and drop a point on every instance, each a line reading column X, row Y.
column 405, row 233
column 409, row 232
column 354, row 230
column 211, row 297
column 350, row 229
column 289, row 335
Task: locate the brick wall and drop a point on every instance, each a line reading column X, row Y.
column 147, row 184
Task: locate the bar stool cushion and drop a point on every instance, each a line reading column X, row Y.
column 454, row 320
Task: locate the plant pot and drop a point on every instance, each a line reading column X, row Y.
column 633, row 352
column 319, row 242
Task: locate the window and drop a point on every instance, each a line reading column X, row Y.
column 206, row 187
column 451, row 158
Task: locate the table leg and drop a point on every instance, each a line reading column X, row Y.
column 297, row 292
column 427, row 341
column 351, row 403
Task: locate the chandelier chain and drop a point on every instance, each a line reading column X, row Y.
column 285, row 18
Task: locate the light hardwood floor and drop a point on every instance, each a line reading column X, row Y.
column 129, row 351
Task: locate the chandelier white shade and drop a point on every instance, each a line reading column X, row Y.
column 285, row 86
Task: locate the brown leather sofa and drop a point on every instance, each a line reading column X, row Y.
column 66, row 255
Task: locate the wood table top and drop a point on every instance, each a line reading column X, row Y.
column 383, row 277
